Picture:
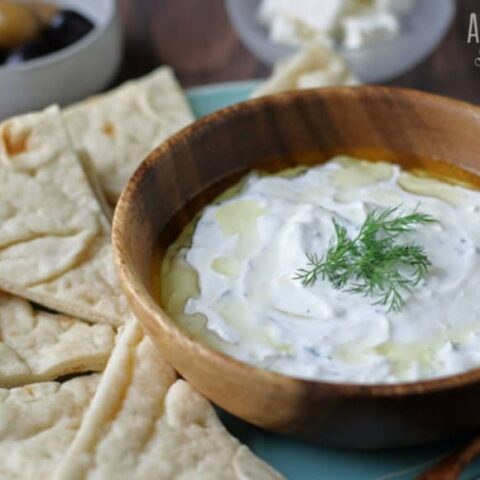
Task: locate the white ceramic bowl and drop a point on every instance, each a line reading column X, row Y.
column 422, row 31
column 70, row 74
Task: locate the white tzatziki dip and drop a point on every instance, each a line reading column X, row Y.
column 229, row 280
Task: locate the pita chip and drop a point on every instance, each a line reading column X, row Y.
column 312, row 67
column 36, row 346
column 37, row 424
column 116, row 131
column 143, row 423
column 55, row 240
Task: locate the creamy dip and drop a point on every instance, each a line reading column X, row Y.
column 229, row 279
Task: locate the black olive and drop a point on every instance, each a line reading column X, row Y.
column 66, row 28
column 29, row 51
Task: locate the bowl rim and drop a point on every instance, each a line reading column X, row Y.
column 130, row 281
column 67, row 52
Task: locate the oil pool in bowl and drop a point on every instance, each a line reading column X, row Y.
column 237, row 278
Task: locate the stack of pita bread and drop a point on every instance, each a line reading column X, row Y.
column 83, row 393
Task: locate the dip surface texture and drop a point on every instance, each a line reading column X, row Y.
column 229, row 281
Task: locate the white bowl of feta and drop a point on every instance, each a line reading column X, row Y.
column 380, row 39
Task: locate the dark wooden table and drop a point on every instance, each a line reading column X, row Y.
column 196, row 38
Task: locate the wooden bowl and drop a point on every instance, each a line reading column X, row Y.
column 188, row 170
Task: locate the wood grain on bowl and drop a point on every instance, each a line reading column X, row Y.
column 187, row 171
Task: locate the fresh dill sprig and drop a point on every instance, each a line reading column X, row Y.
column 373, row 263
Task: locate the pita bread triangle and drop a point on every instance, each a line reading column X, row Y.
column 55, row 240
column 37, row 346
column 116, row 130
column 38, row 423
column 143, row 423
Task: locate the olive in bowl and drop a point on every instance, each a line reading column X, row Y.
column 30, row 31
column 72, row 50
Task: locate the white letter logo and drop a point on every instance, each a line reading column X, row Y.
column 473, row 29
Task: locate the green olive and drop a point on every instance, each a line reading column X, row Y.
column 18, row 25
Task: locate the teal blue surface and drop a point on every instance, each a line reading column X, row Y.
column 209, row 98
column 304, row 461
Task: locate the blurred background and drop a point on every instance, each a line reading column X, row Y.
column 61, row 51
column 197, row 38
